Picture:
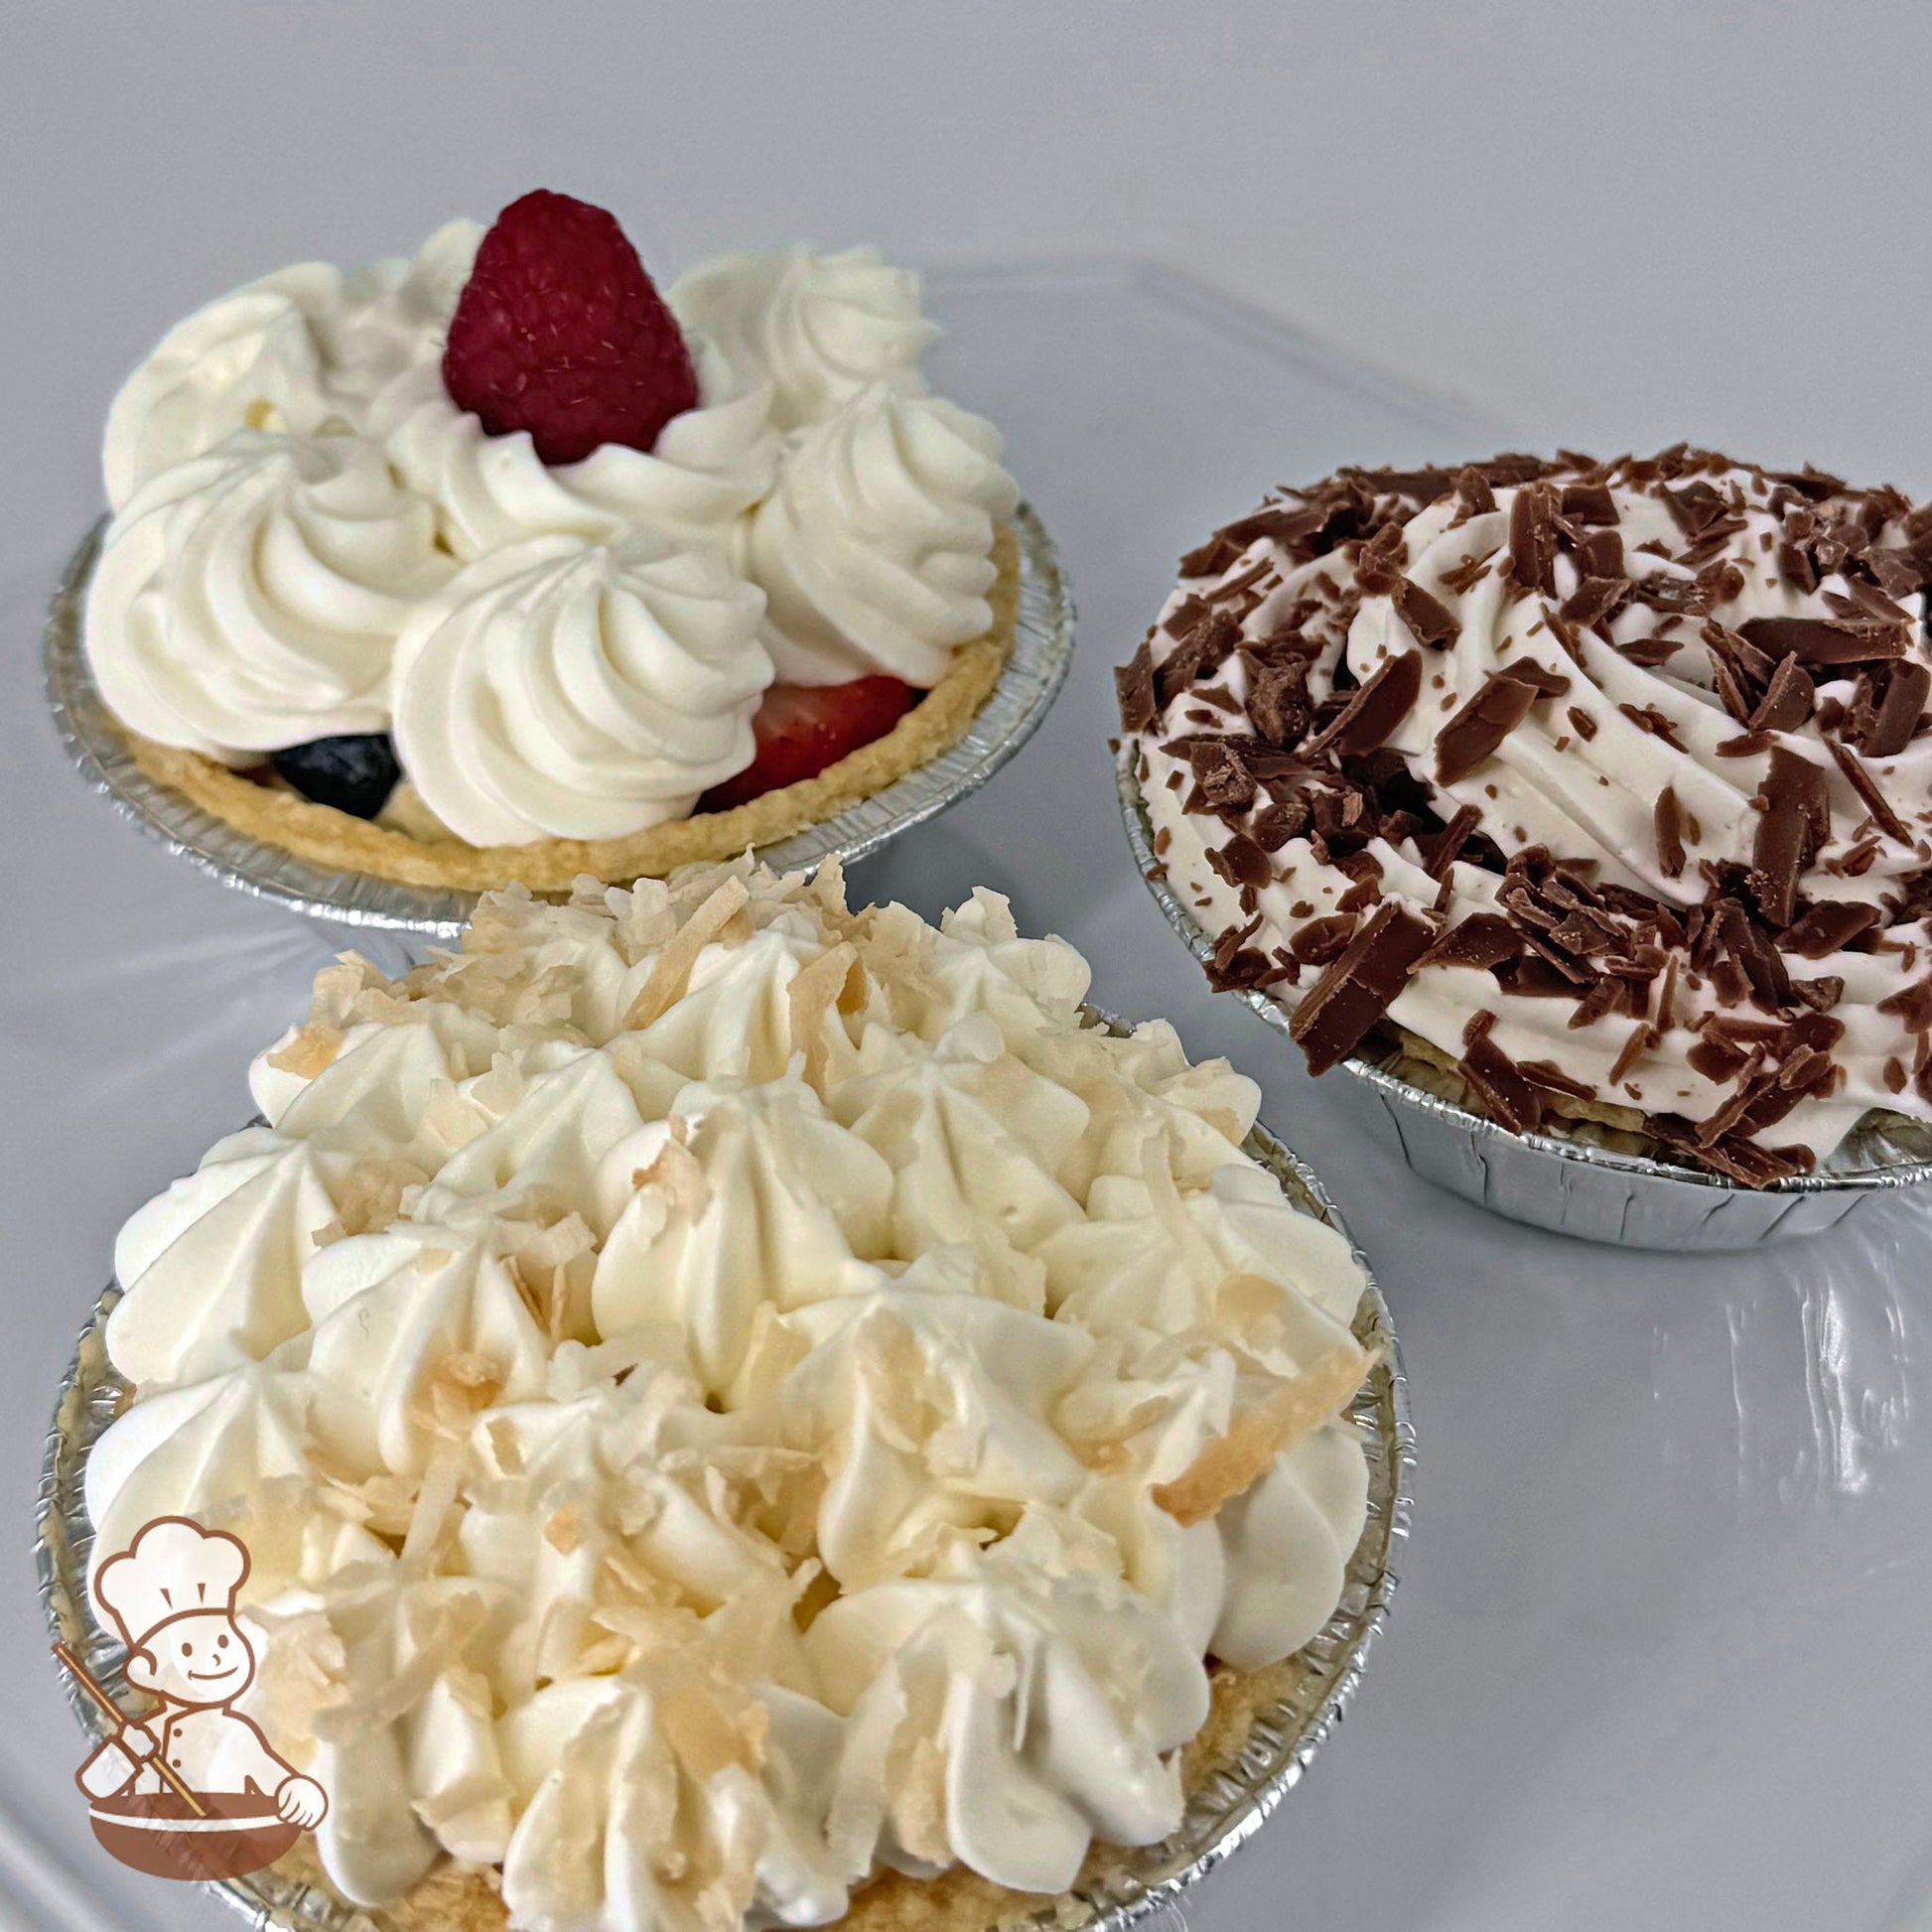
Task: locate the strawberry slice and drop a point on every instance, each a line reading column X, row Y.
column 800, row 729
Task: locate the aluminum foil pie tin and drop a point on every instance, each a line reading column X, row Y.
column 1222, row 1813
column 1043, row 651
column 1570, row 1186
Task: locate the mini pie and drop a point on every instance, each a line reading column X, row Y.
column 534, row 634
column 743, row 1412
column 1602, row 790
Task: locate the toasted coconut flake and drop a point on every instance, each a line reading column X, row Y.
column 310, row 1052
column 813, row 996
column 678, row 1173
column 370, row 1199
column 1228, row 1465
column 705, row 1737
column 670, row 974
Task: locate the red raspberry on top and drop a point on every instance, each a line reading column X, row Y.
column 560, row 331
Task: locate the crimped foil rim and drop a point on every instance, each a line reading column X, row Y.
column 1222, row 1813
column 1043, row 652
column 1887, row 1171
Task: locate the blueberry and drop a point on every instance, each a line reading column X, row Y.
column 355, row 774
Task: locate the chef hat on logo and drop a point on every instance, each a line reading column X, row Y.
column 174, row 1568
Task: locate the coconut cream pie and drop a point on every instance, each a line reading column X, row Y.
column 1603, row 785
column 743, row 1412
column 492, row 564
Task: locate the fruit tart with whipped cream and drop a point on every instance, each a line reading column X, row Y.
column 1603, row 788
column 744, row 1413
column 494, row 564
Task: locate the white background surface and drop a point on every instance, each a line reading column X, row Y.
column 1658, row 1658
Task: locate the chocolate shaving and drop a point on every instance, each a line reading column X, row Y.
column 1431, row 623
column 1533, row 538
column 1648, row 719
column 1322, row 940
column 1375, row 709
column 1473, row 488
column 1636, row 1044
column 1545, row 682
column 1378, row 565
column 1794, row 823
column 1586, row 503
column 1500, row 1084
column 1548, row 1075
column 1134, row 686
column 1278, row 703
column 1441, row 852
column 1274, row 825
column 1482, row 724
column 1483, row 941
column 1225, row 782
column 1912, row 1006
column 1830, row 927
column 1827, row 640
column 1355, row 990
column 1895, row 718
column 1751, row 952
column 1241, row 862
column 1203, row 649
column 1821, row 994
column 1870, row 795
column 1595, row 598
column 1668, row 827
column 1787, row 699
column 1581, row 723
column 1212, row 556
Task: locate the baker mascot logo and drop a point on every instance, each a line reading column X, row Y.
column 192, row 1790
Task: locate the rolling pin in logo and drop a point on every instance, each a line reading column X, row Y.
column 193, row 1789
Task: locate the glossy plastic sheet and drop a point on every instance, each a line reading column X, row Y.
column 1656, row 1653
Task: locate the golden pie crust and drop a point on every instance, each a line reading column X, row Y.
column 461, row 1898
column 336, row 840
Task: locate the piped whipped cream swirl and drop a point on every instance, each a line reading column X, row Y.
column 876, row 549
column 1630, row 762
column 694, row 485
column 251, row 598
column 299, row 352
column 728, row 1396
column 562, row 689
column 817, row 328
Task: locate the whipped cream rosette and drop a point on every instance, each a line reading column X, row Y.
column 820, row 328
column 298, row 352
column 1603, row 785
column 298, row 470
column 740, row 1405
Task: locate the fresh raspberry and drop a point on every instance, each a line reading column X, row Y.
column 560, row 331
column 800, row 729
